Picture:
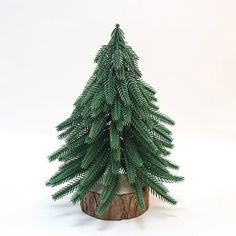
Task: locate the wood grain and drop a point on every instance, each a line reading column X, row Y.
column 122, row 207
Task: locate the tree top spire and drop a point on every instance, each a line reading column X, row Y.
column 117, row 37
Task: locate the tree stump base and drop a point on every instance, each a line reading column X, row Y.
column 123, row 206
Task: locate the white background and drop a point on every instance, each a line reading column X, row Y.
column 188, row 54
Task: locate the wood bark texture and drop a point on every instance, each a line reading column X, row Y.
column 122, row 207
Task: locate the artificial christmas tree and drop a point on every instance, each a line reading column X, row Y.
column 115, row 132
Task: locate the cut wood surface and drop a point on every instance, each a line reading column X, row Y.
column 122, row 207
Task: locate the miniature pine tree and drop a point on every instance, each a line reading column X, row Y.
column 115, row 127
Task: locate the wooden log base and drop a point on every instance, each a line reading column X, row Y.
column 122, row 207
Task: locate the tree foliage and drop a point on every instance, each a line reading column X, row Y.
column 116, row 126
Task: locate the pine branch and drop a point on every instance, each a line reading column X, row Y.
column 123, row 93
column 161, row 117
column 98, row 126
column 92, row 176
column 78, row 132
column 134, row 90
column 69, row 122
column 114, row 138
column 92, row 87
column 101, row 53
column 156, row 188
column 163, row 175
column 66, row 133
column 115, row 165
column 108, row 193
column 162, row 134
column 146, row 87
column 109, row 88
column 61, row 151
column 65, row 174
column 138, row 193
column 97, row 100
column 140, row 127
column 69, row 188
column 130, row 170
column 132, row 153
column 93, row 152
column 126, row 114
column 116, row 110
column 171, row 165
column 118, row 59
